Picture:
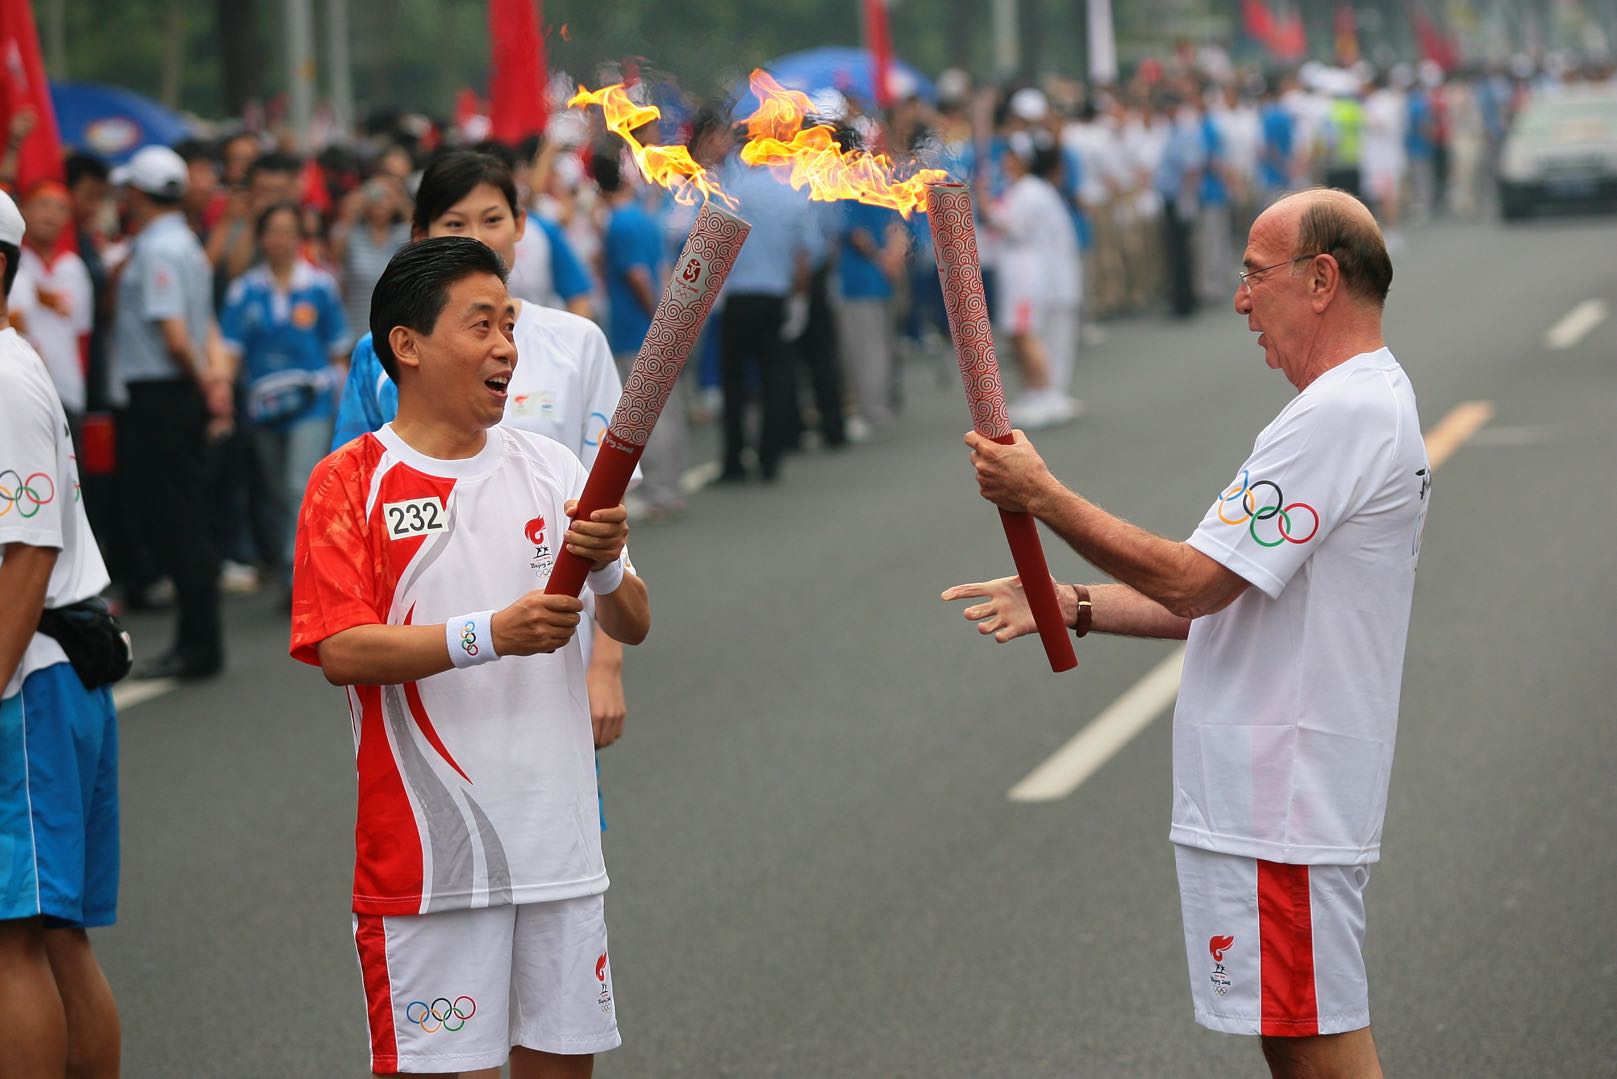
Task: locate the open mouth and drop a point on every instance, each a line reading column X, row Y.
column 498, row 384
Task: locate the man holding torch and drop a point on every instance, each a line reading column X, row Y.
column 423, row 552
column 1299, row 578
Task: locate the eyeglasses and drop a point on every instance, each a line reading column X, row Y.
column 1248, row 275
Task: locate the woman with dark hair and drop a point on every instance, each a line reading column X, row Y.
column 564, row 387
column 283, row 320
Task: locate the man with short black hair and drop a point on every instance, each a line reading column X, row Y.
column 1301, row 576
column 478, row 873
column 161, row 339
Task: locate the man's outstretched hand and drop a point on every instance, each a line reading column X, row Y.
column 1005, row 614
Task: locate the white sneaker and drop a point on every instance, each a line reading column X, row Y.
column 237, row 579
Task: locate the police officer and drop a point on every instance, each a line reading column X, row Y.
column 161, row 351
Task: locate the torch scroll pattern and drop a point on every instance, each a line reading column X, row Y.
column 705, row 262
column 948, row 208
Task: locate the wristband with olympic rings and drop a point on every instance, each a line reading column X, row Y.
column 471, row 639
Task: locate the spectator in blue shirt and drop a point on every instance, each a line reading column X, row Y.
column 283, row 320
column 632, row 260
column 872, row 253
column 1214, row 240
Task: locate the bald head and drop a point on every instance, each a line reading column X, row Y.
column 1324, row 220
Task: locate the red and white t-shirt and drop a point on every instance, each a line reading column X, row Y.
column 477, row 785
column 1288, row 711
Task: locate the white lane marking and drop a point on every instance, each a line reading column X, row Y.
column 1575, row 325
column 1086, row 751
column 129, row 694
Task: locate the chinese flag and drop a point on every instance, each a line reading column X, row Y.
column 879, row 40
column 517, row 105
column 24, row 87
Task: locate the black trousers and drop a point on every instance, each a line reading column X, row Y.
column 816, row 352
column 1178, row 263
column 161, row 463
column 751, row 345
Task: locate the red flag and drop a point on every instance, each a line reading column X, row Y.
column 24, row 87
column 879, row 40
column 517, row 105
column 1347, row 35
column 1258, row 23
column 1290, row 36
column 1434, row 44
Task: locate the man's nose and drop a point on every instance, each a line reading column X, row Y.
column 1243, row 299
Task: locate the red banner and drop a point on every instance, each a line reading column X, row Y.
column 24, row 88
column 517, row 104
column 879, row 40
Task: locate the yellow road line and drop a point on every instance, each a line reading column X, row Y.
column 1452, row 431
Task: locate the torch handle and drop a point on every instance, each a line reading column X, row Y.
column 608, row 480
column 1022, row 533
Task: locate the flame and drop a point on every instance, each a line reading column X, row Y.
column 776, row 137
column 666, row 166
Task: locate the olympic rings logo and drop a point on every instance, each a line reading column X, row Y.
column 25, row 496
column 441, row 1014
column 468, row 637
column 1244, row 493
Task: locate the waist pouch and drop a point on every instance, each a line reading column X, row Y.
column 96, row 643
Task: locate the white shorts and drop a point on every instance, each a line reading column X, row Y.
column 1274, row 949
column 455, row 990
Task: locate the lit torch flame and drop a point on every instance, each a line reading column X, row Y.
column 776, row 137
column 666, row 166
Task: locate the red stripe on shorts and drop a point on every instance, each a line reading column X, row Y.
column 1289, row 1008
column 370, row 938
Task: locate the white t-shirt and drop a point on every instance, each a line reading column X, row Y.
column 39, row 492
column 62, row 312
column 1038, row 249
column 477, row 785
column 566, row 384
column 530, row 268
column 1283, row 736
column 1382, row 148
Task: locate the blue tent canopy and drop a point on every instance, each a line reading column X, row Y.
column 850, row 72
column 112, row 122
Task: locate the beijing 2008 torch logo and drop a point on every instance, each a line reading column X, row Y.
column 604, row 997
column 542, row 559
column 1217, row 946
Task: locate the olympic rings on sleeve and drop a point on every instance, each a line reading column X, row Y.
column 1244, row 494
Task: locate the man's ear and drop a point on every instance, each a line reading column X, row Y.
column 1325, row 279
column 406, row 346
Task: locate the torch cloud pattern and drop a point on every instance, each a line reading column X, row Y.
column 703, row 265
column 948, row 210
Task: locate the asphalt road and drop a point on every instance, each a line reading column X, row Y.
column 816, row 870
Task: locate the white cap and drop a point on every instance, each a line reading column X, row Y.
column 11, row 224
column 156, row 170
column 1029, row 104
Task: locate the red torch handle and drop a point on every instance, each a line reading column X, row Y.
column 608, row 480
column 1022, row 533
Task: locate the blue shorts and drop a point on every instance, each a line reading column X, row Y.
column 59, row 801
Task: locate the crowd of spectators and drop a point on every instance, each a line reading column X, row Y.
column 196, row 308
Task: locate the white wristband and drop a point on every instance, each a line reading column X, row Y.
column 603, row 582
column 471, row 639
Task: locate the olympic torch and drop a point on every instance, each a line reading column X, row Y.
column 703, row 265
column 948, row 207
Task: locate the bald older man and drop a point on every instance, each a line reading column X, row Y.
column 1293, row 594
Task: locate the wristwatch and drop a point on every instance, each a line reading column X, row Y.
column 1086, row 611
